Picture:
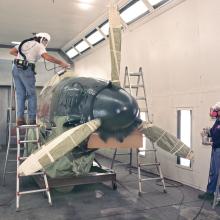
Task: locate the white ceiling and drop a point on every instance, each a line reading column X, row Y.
column 62, row 19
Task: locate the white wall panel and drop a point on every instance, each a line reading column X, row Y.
column 95, row 65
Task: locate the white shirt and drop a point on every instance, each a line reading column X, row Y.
column 32, row 50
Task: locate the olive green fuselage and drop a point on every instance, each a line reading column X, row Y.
column 82, row 99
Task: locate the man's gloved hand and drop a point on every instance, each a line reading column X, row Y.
column 65, row 65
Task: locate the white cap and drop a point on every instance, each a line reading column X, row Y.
column 216, row 106
column 44, row 35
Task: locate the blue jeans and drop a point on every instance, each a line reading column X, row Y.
column 214, row 170
column 24, row 81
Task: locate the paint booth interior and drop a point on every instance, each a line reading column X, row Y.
column 121, row 126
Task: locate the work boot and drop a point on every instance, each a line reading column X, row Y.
column 206, row 196
column 20, row 121
column 218, row 204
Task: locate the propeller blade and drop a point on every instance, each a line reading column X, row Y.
column 115, row 42
column 166, row 141
column 58, row 147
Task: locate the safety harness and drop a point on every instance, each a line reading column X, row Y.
column 24, row 64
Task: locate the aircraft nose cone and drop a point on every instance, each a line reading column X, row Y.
column 116, row 108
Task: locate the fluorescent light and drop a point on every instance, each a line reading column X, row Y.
column 134, row 11
column 82, row 46
column 84, row 6
column 95, row 37
column 15, row 42
column 72, row 53
column 105, row 28
column 87, row 1
column 154, row 2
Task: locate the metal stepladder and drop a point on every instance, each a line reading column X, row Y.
column 134, row 84
column 22, row 142
column 217, row 192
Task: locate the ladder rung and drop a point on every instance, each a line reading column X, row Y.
column 149, row 164
column 153, row 178
column 10, row 172
column 28, row 126
column 140, row 98
column 12, row 160
column 134, row 86
column 122, row 154
column 143, row 110
column 15, row 149
column 15, row 137
column 29, row 141
column 22, row 158
column 149, row 150
column 33, row 174
column 120, row 164
column 32, row 191
column 13, row 124
column 134, row 74
column 13, row 109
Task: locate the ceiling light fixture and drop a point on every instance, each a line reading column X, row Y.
column 154, row 2
column 15, row 42
column 82, row 46
column 86, row 1
column 105, row 28
column 84, row 6
column 71, row 53
column 95, row 37
column 134, row 11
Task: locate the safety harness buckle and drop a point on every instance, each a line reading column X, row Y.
column 22, row 64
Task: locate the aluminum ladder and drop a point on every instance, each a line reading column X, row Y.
column 11, row 133
column 134, row 84
column 20, row 159
column 10, row 125
column 21, row 139
column 127, row 85
column 217, row 192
